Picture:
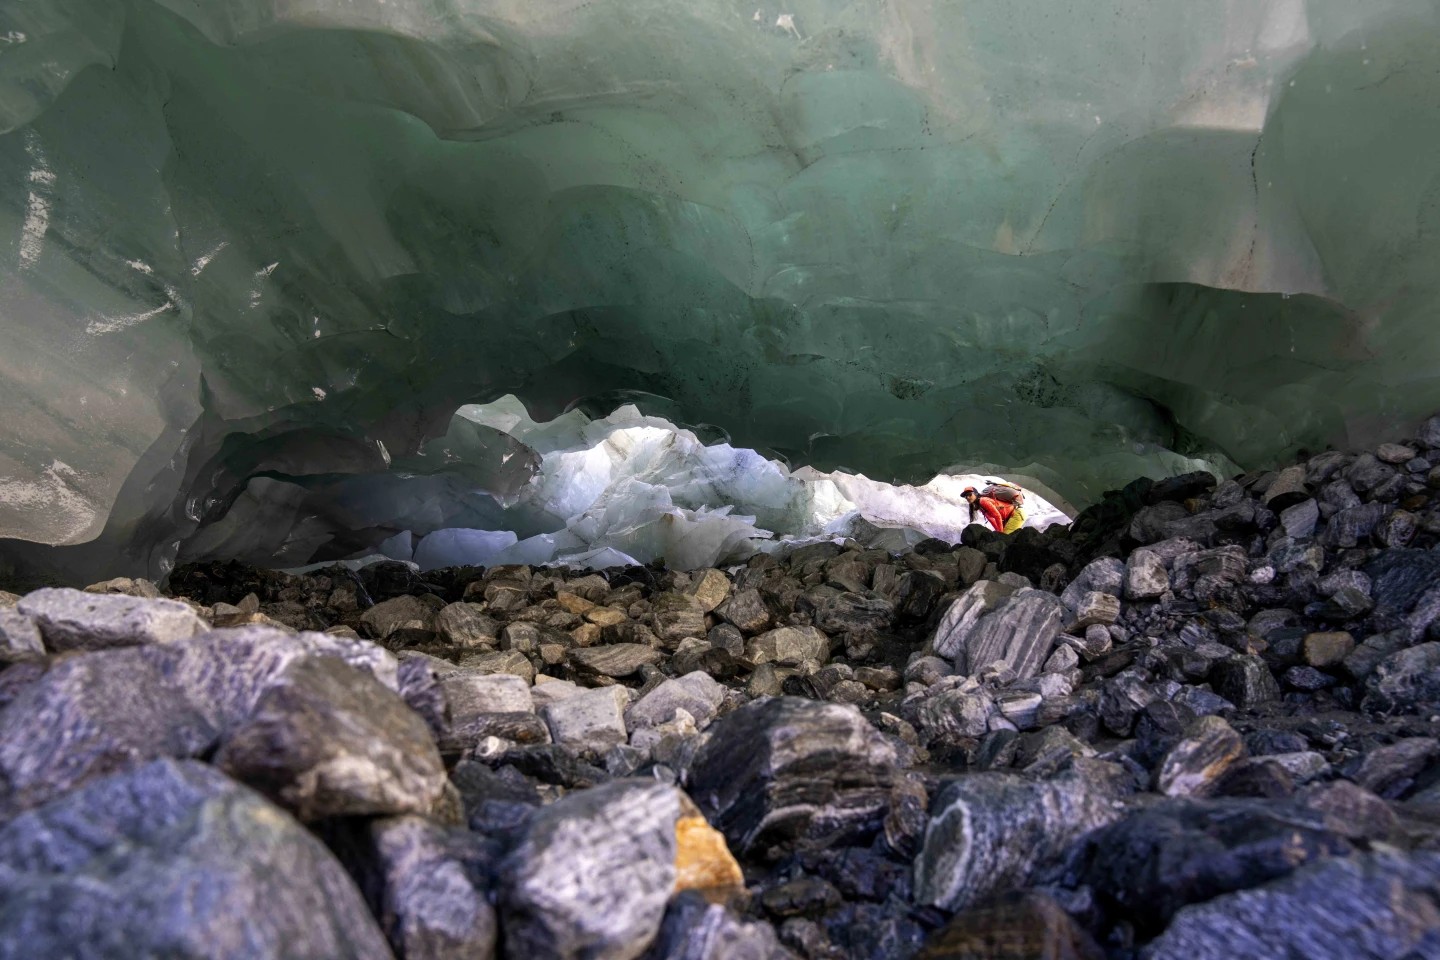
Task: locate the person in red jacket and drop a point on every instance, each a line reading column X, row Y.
column 1003, row 516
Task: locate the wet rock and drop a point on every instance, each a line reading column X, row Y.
column 327, row 739
column 75, row 620
column 1121, row 699
column 853, row 612
column 787, row 773
column 1287, row 489
column 1014, row 926
column 614, row 660
column 592, row 874
column 202, row 866
column 917, row 594
column 1380, row 904
column 971, row 852
column 592, row 720
column 1194, row 766
column 1158, row 859
column 1021, row 633
column 964, row 613
column 789, row 646
column 1145, row 576
column 1244, row 681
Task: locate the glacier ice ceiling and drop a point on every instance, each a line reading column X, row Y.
column 255, row 254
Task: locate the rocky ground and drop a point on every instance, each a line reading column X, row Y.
column 1202, row 721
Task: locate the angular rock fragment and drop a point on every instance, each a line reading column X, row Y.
column 75, row 620
column 696, row 693
column 972, row 848
column 464, row 625
column 696, row 930
column 676, row 616
column 328, row 740
column 1014, row 926
column 964, row 613
column 592, row 874
column 746, row 610
column 18, row 635
column 853, row 612
column 1195, row 765
column 614, row 660
column 1384, row 904
column 1145, row 576
column 592, row 720
column 787, row 773
column 789, row 646
column 1021, row 633
column 172, row 859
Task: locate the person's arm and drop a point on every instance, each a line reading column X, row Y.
column 992, row 515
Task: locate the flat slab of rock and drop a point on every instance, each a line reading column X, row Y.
column 964, row 613
column 329, row 740
column 789, row 646
column 76, row 620
column 172, row 859
column 615, row 659
column 592, row 874
column 696, row 693
column 590, row 720
column 1021, row 632
column 789, row 773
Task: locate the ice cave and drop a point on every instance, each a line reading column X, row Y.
column 295, row 281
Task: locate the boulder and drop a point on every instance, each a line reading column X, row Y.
column 327, row 739
column 76, row 620
column 1021, row 632
column 172, row 859
column 964, row 613
column 788, row 773
column 696, row 693
column 592, row 873
column 614, row 660
column 789, row 646
column 592, row 720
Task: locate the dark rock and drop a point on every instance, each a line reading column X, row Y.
column 1014, row 926
column 851, row 612
column 694, row 929
column 1257, row 777
column 428, row 887
column 918, row 592
column 745, row 610
column 463, row 625
column 802, row 896
column 787, row 773
column 327, row 739
column 1203, row 754
column 550, row 763
column 1158, row 859
column 1244, row 681
column 1389, row 770
column 397, row 613
column 1266, row 741
column 1384, row 904
column 592, row 873
column 202, row 866
column 1287, row 489
column 1350, row 810
column 495, row 802
column 1307, row 679
column 973, row 847
column 1121, row 699
column 1405, row 678
column 76, row 620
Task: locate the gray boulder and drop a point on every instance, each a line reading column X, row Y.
column 789, row 646
column 76, row 620
column 696, row 693
column 1021, row 632
column 1384, row 905
column 329, row 740
column 964, row 613
column 787, row 773
column 592, row 874
column 1105, row 575
column 172, row 859
column 590, row 720
column 18, row 635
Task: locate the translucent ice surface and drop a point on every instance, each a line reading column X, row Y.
column 255, row 253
